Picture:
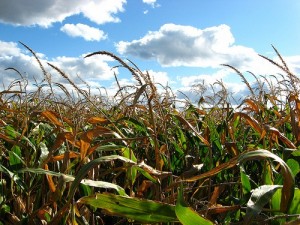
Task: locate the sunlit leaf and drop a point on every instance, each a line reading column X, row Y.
column 296, row 153
column 51, row 184
column 87, row 167
column 186, row 215
column 141, row 210
column 250, row 120
column 52, row 117
column 60, row 157
column 252, row 105
column 95, row 119
column 231, row 163
column 87, row 137
column 110, row 147
column 69, row 178
column 279, row 135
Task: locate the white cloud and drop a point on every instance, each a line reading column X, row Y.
column 84, row 31
column 152, row 3
column 293, row 62
column 8, row 49
column 95, row 69
column 44, row 13
column 176, row 45
column 159, row 77
column 188, row 81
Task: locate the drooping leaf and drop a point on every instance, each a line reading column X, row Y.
column 275, row 133
column 251, row 121
column 87, row 167
column 289, row 182
column 87, row 137
column 52, row 117
column 188, row 125
column 13, row 176
column 69, row 178
column 227, row 165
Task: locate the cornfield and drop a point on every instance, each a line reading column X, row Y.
column 140, row 159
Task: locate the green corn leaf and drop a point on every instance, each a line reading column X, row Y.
column 295, row 205
column 13, row 176
column 294, row 166
column 140, row 210
column 110, row 147
column 245, row 181
column 296, row 153
column 14, row 134
column 15, row 156
column 186, row 215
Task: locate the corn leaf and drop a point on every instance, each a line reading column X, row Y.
column 69, row 178
column 289, row 182
column 186, row 215
column 259, row 198
column 140, row 210
column 87, row 167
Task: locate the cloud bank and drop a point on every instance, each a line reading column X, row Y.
column 177, row 45
column 94, row 70
column 45, row 13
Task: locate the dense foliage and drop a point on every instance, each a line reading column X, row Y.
column 139, row 158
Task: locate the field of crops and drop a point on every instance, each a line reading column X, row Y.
column 141, row 159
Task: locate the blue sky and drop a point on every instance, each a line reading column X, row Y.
column 179, row 42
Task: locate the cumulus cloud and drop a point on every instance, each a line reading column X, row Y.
column 84, row 31
column 44, row 13
column 95, row 69
column 177, row 45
